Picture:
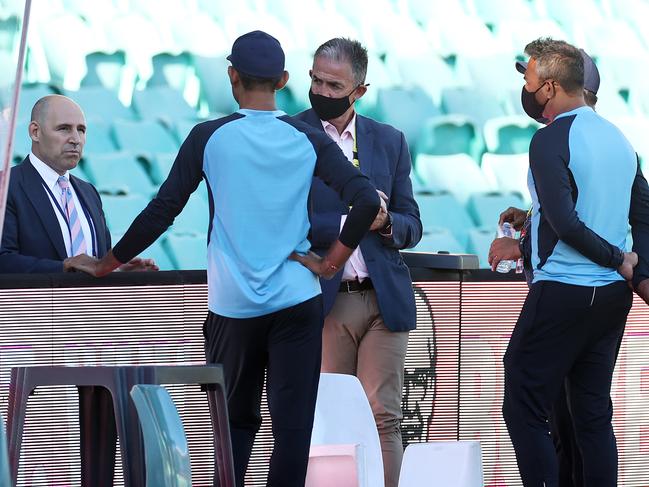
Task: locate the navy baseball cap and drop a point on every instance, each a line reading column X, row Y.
column 257, row 54
column 591, row 73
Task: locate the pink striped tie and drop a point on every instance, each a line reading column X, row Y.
column 74, row 223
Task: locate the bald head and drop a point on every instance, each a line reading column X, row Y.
column 58, row 132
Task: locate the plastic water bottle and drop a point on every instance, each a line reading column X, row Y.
column 506, row 230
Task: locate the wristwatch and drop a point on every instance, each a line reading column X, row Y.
column 386, row 231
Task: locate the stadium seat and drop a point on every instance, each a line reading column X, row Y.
column 510, row 134
column 80, row 173
column 188, row 251
column 343, row 416
column 491, row 74
column 171, row 70
column 183, row 126
column 494, row 11
column 102, row 103
column 439, row 240
column 442, row 464
column 518, row 34
column 29, row 95
column 479, row 243
column 194, row 219
column 119, row 172
column 458, row 174
column 485, row 208
column 406, row 109
column 120, row 211
column 162, row 103
column 145, row 137
column 449, row 134
column 99, row 138
column 432, row 76
column 166, row 451
column 22, row 144
column 105, row 69
column 215, row 85
column 508, row 173
column 611, row 104
column 442, row 210
column 610, row 37
column 160, row 165
column 636, row 130
column 474, row 102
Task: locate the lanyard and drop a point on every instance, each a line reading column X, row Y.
column 355, row 161
column 63, row 213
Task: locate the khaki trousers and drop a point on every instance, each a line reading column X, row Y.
column 357, row 342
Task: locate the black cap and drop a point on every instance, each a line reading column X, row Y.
column 591, row 73
column 257, row 54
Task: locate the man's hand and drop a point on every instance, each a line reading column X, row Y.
column 81, row 262
column 382, row 216
column 515, row 216
column 642, row 290
column 503, row 248
column 626, row 269
column 315, row 264
column 139, row 265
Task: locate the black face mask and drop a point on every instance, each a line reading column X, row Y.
column 532, row 107
column 329, row 108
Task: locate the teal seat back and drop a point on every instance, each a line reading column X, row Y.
column 165, row 443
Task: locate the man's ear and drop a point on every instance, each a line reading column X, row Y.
column 34, row 131
column 233, row 74
column 359, row 92
column 282, row 81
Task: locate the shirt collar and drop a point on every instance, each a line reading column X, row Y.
column 350, row 130
column 49, row 175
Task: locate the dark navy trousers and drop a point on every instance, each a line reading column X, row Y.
column 566, row 336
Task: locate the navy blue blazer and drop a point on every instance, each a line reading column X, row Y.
column 384, row 157
column 31, row 237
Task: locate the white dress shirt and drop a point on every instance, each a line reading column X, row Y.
column 355, row 267
column 51, row 177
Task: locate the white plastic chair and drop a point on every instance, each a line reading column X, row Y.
column 442, row 464
column 337, row 465
column 343, row 416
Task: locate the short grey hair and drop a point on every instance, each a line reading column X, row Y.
column 341, row 49
column 559, row 61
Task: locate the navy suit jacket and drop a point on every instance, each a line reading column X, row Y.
column 31, row 237
column 385, row 159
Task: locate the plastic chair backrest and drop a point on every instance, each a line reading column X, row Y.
column 442, row 464
column 343, row 416
column 165, row 444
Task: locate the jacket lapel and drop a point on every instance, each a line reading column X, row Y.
column 85, row 196
column 32, row 185
column 364, row 144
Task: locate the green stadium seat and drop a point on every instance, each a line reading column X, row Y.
column 449, row 134
column 479, row 243
column 442, row 210
column 510, row 134
column 120, row 211
column 189, row 251
column 508, row 173
column 439, row 240
column 105, row 69
column 491, row 74
column 99, row 138
column 458, row 174
column 145, row 137
column 29, row 95
column 171, row 70
column 156, row 251
column 22, row 144
column 160, row 165
column 162, row 103
column 494, row 11
column 486, row 208
column 636, row 130
column 194, row 219
column 432, row 76
column 611, row 104
column 405, row 109
column 119, row 172
column 80, row 173
column 472, row 101
column 215, row 85
column 98, row 102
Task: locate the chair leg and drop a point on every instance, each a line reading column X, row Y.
column 18, row 394
column 98, row 436
column 223, row 462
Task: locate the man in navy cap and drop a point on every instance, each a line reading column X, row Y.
column 265, row 308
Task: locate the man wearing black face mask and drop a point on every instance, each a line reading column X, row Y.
column 570, row 464
column 369, row 305
column 574, row 314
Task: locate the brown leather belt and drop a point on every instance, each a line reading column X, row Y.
column 355, row 286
